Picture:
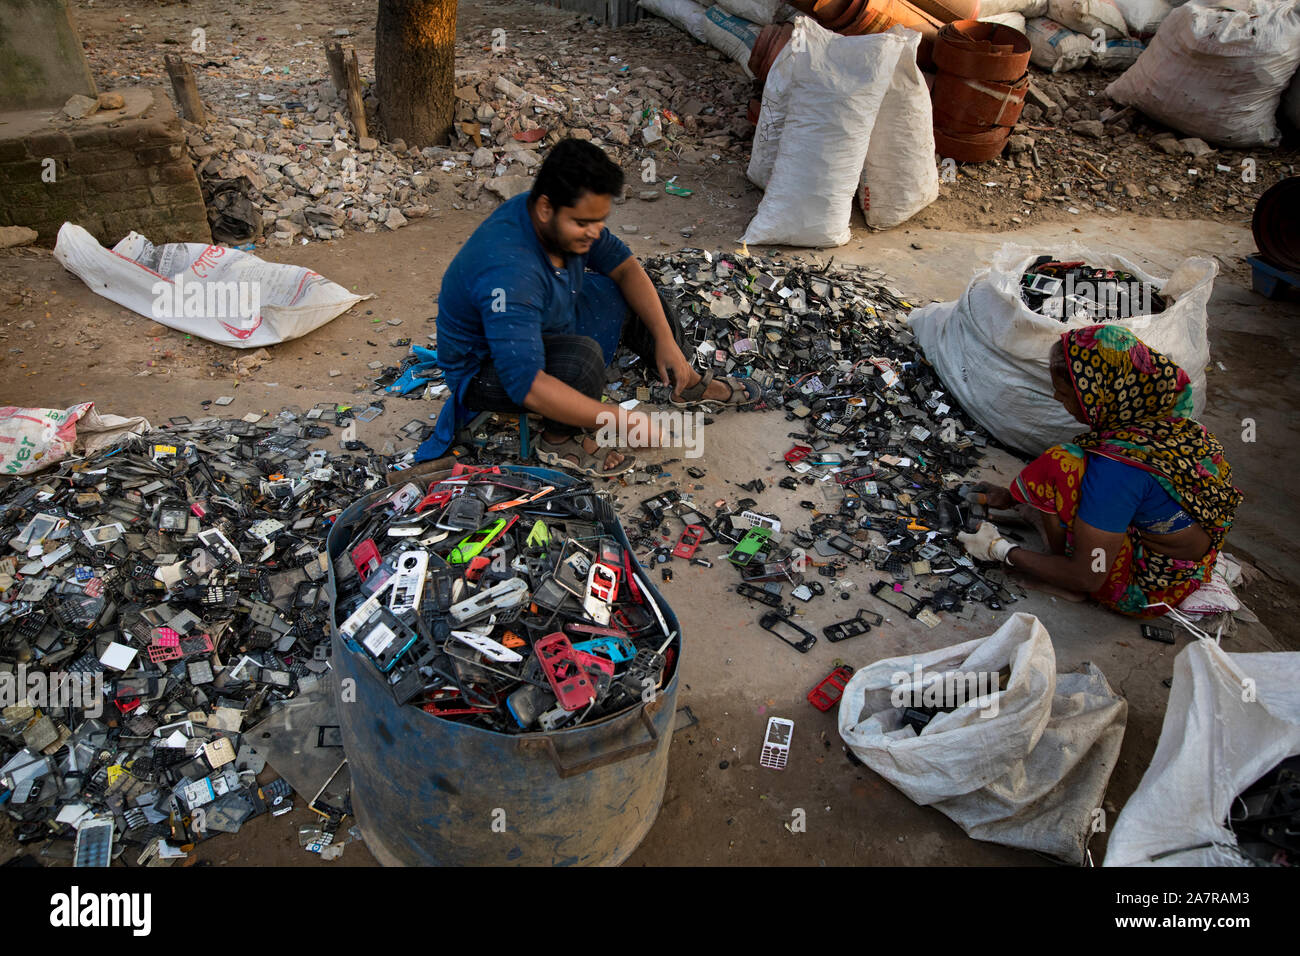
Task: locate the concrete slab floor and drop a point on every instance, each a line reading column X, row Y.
column 735, row 675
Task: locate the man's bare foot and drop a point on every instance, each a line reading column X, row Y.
column 612, row 460
column 717, row 390
column 589, row 444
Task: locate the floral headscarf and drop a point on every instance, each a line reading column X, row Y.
column 1138, row 403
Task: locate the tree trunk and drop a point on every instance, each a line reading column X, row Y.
column 415, row 69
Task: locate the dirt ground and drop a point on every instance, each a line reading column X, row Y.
column 720, row 807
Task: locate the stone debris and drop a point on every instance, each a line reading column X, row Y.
column 275, row 118
column 1196, row 148
column 11, row 236
column 79, row 107
column 1073, row 149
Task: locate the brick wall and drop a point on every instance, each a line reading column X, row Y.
column 111, row 179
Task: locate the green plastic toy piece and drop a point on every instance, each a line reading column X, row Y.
column 749, row 545
column 539, row 536
column 472, row 545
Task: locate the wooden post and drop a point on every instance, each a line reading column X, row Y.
column 355, row 106
column 338, row 73
column 187, row 91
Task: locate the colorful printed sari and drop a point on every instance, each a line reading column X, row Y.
column 1137, row 402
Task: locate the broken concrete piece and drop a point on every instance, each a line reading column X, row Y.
column 526, row 158
column 323, row 215
column 12, row 236
column 512, row 90
column 507, row 187
column 1040, row 99
column 1167, row 143
column 79, row 107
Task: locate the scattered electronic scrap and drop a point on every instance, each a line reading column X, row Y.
column 156, row 601
column 184, row 570
column 1069, row 291
column 878, row 462
column 506, row 598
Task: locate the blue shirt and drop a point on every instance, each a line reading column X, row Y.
column 499, row 296
column 1117, row 495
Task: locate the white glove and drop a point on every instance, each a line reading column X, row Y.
column 986, row 544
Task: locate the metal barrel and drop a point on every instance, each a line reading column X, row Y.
column 1276, row 224
column 428, row 791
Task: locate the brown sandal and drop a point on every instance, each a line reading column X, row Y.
column 694, row 394
column 587, row 464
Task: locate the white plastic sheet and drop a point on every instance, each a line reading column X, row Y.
column 730, row 34
column 1230, row 719
column 1217, row 71
column 1015, row 21
column 761, row 12
column 1215, row 595
column 807, row 36
column 900, row 177
column 1026, row 8
column 825, row 98
column 1055, row 47
column 1089, row 16
column 1118, row 54
column 1026, row 766
column 34, row 438
column 223, row 295
column 991, row 350
column 686, row 15
column 1144, row 16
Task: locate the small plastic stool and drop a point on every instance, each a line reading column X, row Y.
column 525, row 438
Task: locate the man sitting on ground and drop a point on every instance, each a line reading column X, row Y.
column 522, row 324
